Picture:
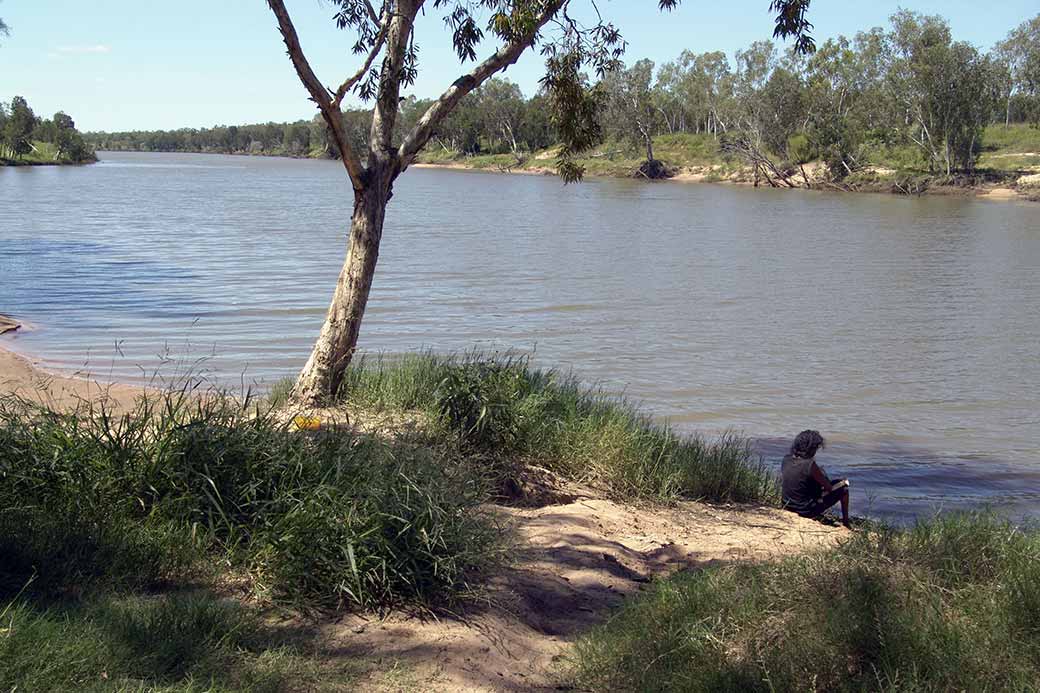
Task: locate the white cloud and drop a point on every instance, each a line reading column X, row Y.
column 80, row 50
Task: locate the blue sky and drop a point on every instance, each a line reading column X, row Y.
column 127, row 64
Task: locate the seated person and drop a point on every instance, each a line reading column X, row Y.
column 807, row 489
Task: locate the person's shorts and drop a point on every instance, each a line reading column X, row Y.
column 825, row 502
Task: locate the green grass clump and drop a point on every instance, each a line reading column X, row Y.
column 509, row 412
column 952, row 604
column 182, row 487
column 179, row 642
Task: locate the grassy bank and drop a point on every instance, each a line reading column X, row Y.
column 504, row 414
column 952, row 604
column 123, row 539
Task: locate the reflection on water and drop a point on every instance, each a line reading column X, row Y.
column 904, row 329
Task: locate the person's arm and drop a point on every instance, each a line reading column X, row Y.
column 821, row 478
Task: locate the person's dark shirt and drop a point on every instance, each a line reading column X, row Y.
column 800, row 489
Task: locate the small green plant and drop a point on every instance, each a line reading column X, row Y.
column 279, row 393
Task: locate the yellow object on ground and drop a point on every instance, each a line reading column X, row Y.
column 307, row 423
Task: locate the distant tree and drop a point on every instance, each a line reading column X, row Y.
column 836, row 88
column 783, row 112
column 1019, row 56
column 385, row 28
column 944, row 88
column 630, row 113
column 69, row 143
column 296, row 140
column 536, row 128
column 501, row 107
column 17, row 134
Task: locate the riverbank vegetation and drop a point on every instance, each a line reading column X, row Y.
column 951, row 604
column 27, row 139
column 148, row 548
column 196, row 542
column 874, row 108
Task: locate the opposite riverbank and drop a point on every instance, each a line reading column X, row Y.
column 207, row 541
column 1008, row 170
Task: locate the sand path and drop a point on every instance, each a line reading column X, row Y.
column 571, row 565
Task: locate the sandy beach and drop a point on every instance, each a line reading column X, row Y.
column 24, row 377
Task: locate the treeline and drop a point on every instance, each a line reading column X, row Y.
column 22, row 131
column 908, row 92
column 494, row 118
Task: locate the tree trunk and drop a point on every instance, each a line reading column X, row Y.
column 320, row 379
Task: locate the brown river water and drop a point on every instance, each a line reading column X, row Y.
column 906, row 330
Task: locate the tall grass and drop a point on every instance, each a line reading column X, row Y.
column 184, row 486
column 952, row 604
column 501, row 408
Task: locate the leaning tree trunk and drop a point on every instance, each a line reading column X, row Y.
column 320, row 379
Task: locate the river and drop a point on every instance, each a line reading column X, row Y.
column 907, row 330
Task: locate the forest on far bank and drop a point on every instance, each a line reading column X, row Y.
column 907, row 96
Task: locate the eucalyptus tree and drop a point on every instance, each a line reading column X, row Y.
column 944, row 88
column 501, row 107
column 629, row 111
column 1019, row 54
column 387, row 51
column 839, row 84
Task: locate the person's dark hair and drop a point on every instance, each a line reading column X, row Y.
column 806, row 444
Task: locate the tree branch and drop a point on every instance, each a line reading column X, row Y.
column 319, row 94
column 502, row 58
column 372, row 54
column 384, row 113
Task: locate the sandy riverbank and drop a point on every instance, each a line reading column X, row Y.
column 1028, row 186
column 25, row 377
